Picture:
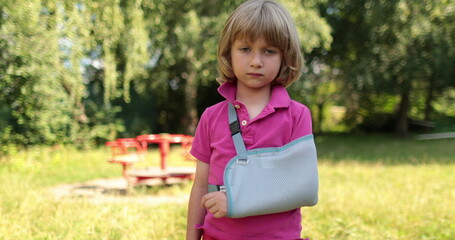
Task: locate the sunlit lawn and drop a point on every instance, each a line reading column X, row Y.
column 372, row 187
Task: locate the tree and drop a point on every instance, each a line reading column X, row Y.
column 31, row 92
column 72, row 71
column 384, row 47
column 43, row 85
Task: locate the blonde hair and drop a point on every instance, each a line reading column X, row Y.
column 256, row 18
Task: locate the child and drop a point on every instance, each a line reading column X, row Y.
column 258, row 56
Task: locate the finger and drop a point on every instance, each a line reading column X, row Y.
column 219, row 213
column 204, row 199
column 210, row 203
column 213, row 210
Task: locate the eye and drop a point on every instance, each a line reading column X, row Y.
column 244, row 49
column 270, row 51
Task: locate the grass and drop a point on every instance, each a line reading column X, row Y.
column 371, row 187
column 385, row 149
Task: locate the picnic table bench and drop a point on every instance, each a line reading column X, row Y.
column 128, row 151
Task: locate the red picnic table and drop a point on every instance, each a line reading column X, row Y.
column 127, row 151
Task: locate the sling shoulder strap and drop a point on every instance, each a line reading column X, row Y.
column 240, row 148
column 234, row 126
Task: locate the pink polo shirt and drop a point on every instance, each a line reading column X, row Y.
column 281, row 121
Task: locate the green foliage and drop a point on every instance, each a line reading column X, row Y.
column 38, row 108
column 45, row 82
column 84, row 72
column 314, row 31
column 136, row 54
column 392, row 48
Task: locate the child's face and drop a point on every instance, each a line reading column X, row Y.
column 256, row 64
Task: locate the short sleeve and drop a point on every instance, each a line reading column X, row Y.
column 201, row 149
column 302, row 124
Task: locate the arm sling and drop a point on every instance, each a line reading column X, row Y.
column 269, row 180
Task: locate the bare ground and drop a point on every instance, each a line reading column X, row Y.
column 116, row 190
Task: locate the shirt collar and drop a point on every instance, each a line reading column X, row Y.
column 279, row 97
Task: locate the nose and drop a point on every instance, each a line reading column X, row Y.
column 256, row 60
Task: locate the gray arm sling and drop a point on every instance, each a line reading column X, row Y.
column 269, row 180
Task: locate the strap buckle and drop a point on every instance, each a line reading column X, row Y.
column 242, row 159
column 234, row 127
column 222, row 188
column 216, row 188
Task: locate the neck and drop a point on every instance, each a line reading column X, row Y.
column 255, row 100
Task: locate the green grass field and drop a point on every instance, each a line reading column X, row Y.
column 371, row 187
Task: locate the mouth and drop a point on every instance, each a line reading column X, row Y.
column 255, row 74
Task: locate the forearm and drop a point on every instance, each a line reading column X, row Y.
column 196, row 213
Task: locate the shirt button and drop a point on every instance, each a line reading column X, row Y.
column 237, row 106
column 244, row 122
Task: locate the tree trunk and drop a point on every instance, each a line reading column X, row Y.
column 402, row 124
column 429, row 99
column 320, row 117
column 190, row 119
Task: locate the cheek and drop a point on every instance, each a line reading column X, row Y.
column 235, row 66
column 276, row 64
column 236, row 61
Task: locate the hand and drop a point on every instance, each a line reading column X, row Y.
column 216, row 203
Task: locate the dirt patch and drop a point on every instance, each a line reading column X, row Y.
column 117, row 190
